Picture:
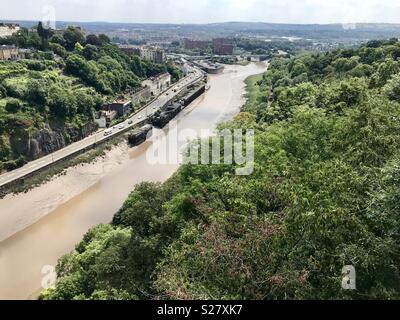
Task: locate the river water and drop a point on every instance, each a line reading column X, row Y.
column 47, row 222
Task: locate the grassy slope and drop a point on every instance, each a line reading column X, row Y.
column 253, row 91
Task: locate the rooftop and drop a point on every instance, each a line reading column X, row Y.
column 6, row 46
column 161, row 75
column 9, row 25
column 121, row 101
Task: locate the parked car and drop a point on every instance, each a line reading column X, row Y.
column 130, row 122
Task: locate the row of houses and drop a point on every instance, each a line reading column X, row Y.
column 124, row 105
column 8, row 29
column 12, row 53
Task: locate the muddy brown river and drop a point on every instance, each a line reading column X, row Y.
column 40, row 226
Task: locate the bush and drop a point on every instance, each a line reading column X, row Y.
column 13, row 105
column 36, row 66
column 3, row 92
column 14, row 164
column 37, row 91
column 59, row 50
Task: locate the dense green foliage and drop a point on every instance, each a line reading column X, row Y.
column 324, row 194
column 269, row 48
column 67, row 78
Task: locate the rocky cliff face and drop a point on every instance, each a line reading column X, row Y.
column 48, row 140
column 74, row 134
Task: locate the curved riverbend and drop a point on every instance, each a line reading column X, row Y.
column 60, row 212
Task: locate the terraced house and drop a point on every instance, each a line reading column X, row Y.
column 8, row 29
column 8, row 53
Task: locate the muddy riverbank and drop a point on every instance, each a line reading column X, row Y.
column 40, row 226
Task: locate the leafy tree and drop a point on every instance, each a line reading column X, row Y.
column 324, row 193
column 87, row 71
column 392, row 88
column 36, row 65
column 59, row 50
column 72, row 36
column 34, row 40
column 58, row 39
column 298, row 69
column 62, row 103
column 87, row 265
column 175, row 72
column 137, row 67
column 37, row 92
column 93, row 40
column 104, row 39
column 44, row 32
column 344, row 65
column 88, row 102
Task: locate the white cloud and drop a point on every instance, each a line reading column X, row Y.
column 200, row 11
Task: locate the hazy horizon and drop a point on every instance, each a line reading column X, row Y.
column 205, row 11
column 205, row 23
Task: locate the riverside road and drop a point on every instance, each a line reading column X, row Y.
column 194, row 76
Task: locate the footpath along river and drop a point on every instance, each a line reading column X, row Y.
column 38, row 227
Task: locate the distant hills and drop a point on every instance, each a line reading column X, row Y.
column 344, row 32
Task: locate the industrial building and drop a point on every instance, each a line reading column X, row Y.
column 222, row 46
column 196, row 44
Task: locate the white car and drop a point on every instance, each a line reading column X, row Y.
column 108, row 132
column 121, row 126
column 140, row 117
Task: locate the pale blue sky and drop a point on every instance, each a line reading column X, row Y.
column 204, row 11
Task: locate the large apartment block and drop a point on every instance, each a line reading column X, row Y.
column 222, row 46
column 153, row 54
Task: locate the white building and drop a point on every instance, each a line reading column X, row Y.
column 158, row 84
column 101, row 121
column 8, row 29
column 155, row 55
column 105, row 117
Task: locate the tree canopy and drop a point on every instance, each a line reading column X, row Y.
column 67, row 77
column 324, row 194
